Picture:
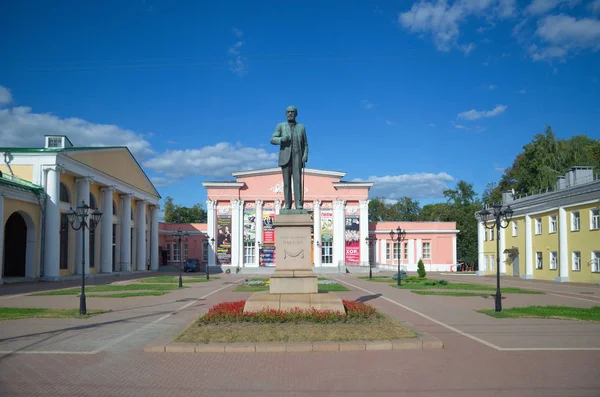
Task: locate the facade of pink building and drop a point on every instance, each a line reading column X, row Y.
column 239, row 230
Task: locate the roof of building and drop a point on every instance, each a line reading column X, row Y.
column 57, row 149
column 20, row 184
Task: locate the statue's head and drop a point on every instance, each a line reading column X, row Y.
column 291, row 112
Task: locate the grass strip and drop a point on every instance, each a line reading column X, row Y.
column 378, row 279
column 383, row 328
column 175, row 279
column 453, row 293
column 332, row 287
column 557, row 312
column 12, row 313
column 127, row 294
column 106, row 288
column 464, row 286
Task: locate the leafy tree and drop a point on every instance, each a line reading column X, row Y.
column 421, row 269
column 405, row 209
column 377, row 210
column 175, row 213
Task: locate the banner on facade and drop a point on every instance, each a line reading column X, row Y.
column 352, row 237
column 250, row 225
column 267, row 256
column 224, row 239
column 268, row 231
column 327, row 225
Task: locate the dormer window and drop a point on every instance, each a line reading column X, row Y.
column 55, row 142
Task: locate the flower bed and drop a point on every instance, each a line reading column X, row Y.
column 233, row 312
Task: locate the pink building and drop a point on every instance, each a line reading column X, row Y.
column 239, row 231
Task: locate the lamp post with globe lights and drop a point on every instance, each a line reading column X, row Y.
column 371, row 241
column 180, row 235
column 400, row 235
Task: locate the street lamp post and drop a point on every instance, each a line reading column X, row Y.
column 400, row 235
column 371, row 241
column 179, row 235
column 78, row 219
column 501, row 218
column 212, row 243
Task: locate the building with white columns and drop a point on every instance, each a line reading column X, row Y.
column 38, row 186
column 239, row 230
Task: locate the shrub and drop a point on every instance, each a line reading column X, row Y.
column 233, row 312
column 402, row 275
column 421, row 269
column 443, row 282
column 412, row 279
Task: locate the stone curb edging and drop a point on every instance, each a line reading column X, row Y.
column 422, row 342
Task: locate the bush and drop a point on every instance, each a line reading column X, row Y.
column 402, row 275
column 421, row 269
column 412, row 279
column 443, row 282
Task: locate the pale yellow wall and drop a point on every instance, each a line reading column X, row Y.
column 20, row 171
column 489, row 248
column 544, row 243
column 69, row 181
column 519, row 242
column 33, row 210
column 117, row 163
column 584, row 241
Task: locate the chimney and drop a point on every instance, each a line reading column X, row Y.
column 507, row 196
column 561, row 183
column 582, row 175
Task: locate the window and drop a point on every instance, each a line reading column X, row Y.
column 248, row 252
column 64, row 241
column 552, row 224
column 595, row 261
column 387, row 251
column 515, row 229
column 427, row 250
column 491, row 261
column 114, row 247
column 538, row 225
column 491, row 234
column 205, row 251
column 576, row 261
column 54, row 142
column 185, row 252
column 396, row 250
column 595, row 219
column 539, row 260
column 114, row 208
column 485, row 262
column 406, row 251
column 92, row 244
column 64, row 194
column 485, row 232
column 552, row 260
column 176, row 253
column 327, row 252
column 132, row 213
column 575, row 221
column 93, row 202
column 168, row 252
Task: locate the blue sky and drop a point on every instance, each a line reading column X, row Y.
column 411, row 95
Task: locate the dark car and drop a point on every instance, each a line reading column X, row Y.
column 192, row 265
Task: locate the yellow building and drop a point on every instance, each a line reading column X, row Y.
column 554, row 235
column 38, row 186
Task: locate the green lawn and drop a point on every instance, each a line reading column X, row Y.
column 378, row 279
column 106, row 288
column 175, row 279
column 465, row 287
column 559, row 312
column 11, row 313
column 332, row 287
column 258, row 288
column 453, row 293
column 127, row 294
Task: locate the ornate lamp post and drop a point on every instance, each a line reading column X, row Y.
column 501, row 218
column 179, row 235
column 400, row 235
column 371, row 240
column 79, row 220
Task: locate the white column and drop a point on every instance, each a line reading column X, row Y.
column 480, row 255
column 411, row 251
column 383, row 247
column 125, row 265
column 339, row 226
column 211, row 218
column 317, row 232
column 240, row 233
column 528, row 249
column 377, row 248
column 258, row 229
column 563, row 248
column 454, row 250
column 278, row 204
column 502, row 237
column 154, row 237
column 52, row 227
column 140, row 225
column 419, row 249
column 1, row 237
column 83, row 196
column 106, row 223
column 364, row 232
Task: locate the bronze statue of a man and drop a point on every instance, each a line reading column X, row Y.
column 293, row 154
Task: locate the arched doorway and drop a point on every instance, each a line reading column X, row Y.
column 15, row 246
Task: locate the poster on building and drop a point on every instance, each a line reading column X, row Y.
column 327, row 225
column 268, row 231
column 224, row 239
column 352, row 237
column 250, row 224
column 267, row 256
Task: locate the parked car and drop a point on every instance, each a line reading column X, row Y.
column 192, row 265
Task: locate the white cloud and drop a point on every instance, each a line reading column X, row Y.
column 539, row 7
column 391, row 123
column 522, row 92
column 237, row 62
column 5, row 96
column 431, row 125
column 160, row 181
column 368, row 105
column 442, row 20
column 417, row 185
column 215, row 161
column 20, row 127
column 490, row 86
column 479, row 114
column 476, row 128
column 238, row 33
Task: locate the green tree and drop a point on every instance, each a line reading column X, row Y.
column 175, row 213
column 405, row 209
column 421, row 269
